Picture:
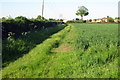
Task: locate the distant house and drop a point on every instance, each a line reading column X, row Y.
column 98, row 20
column 116, row 20
column 104, row 20
column 94, row 21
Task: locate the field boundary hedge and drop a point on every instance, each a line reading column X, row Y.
column 16, row 28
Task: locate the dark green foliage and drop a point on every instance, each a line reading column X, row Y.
column 110, row 19
column 39, row 17
column 70, row 21
column 82, row 11
column 90, row 20
column 86, row 13
column 77, row 19
column 117, row 17
column 15, row 48
column 3, row 19
column 21, row 18
column 51, row 19
column 20, row 35
column 21, row 25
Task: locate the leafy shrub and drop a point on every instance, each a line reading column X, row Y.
column 110, row 19
column 77, row 19
column 70, row 21
column 13, row 48
column 21, row 24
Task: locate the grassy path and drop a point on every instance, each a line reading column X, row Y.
column 33, row 64
column 78, row 51
column 15, row 48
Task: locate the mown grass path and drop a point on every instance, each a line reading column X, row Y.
column 13, row 49
column 78, row 51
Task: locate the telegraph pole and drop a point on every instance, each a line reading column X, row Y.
column 42, row 8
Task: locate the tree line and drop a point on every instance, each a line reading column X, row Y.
column 15, row 27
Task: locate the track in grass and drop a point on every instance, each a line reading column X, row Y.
column 78, row 51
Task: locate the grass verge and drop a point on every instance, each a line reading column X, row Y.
column 33, row 63
column 16, row 48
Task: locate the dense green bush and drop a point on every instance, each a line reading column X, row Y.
column 110, row 19
column 20, row 35
column 76, row 21
column 13, row 48
column 70, row 21
column 20, row 25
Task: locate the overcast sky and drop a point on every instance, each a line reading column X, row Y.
column 58, row 8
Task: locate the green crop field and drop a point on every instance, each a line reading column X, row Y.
column 78, row 51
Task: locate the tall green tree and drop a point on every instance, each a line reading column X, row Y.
column 82, row 11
